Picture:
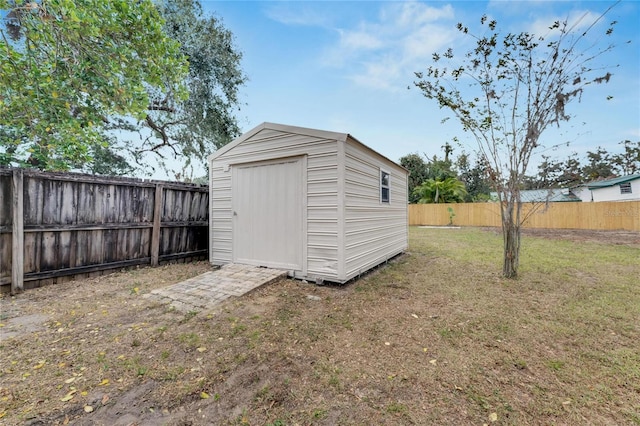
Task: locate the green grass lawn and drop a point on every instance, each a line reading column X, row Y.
column 436, row 336
column 559, row 345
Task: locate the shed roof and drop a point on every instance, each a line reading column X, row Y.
column 611, row 182
column 341, row 137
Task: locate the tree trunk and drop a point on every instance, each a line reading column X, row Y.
column 511, row 238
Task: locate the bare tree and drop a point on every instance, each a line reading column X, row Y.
column 506, row 91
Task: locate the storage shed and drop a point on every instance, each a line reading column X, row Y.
column 319, row 204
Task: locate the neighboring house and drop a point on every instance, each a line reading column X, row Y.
column 543, row 196
column 318, row 204
column 582, row 192
column 624, row 188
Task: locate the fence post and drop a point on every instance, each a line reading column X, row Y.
column 157, row 221
column 17, row 234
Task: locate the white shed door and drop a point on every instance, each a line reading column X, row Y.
column 268, row 214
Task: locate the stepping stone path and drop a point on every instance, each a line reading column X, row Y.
column 211, row 288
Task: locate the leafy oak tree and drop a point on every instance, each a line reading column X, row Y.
column 475, row 178
column 628, row 162
column 506, row 91
column 418, row 173
column 68, row 66
column 600, row 164
column 190, row 129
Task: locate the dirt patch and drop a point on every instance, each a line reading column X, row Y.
column 435, row 336
column 22, row 324
column 630, row 238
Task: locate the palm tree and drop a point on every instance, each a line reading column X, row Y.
column 449, row 190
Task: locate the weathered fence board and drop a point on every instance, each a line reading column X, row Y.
column 57, row 225
column 602, row 215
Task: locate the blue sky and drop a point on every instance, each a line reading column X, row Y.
column 346, row 67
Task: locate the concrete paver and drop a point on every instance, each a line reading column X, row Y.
column 211, row 288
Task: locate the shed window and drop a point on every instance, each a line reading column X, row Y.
column 384, row 186
column 625, row 188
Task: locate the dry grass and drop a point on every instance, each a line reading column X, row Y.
column 435, row 337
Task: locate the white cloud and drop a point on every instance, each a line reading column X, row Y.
column 381, row 73
column 413, row 13
column 383, row 53
column 302, row 14
column 632, row 134
column 578, row 20
column 359, row 39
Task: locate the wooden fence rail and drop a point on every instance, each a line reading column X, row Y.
column 54, row 226
column 602, row 215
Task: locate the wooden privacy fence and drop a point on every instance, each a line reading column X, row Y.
column 603, row 215
column 54, row 226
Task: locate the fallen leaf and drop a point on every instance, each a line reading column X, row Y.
column 387, row 343
column 201, row 349
column 493, row 417
column 104, row 382
column 84, row 393
column 68, row 396
column 424, row 349
column 415, row 316
column 39, row 365
column 433, row 361
column 204, row 395
column 88, row 408
column 70, row 380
